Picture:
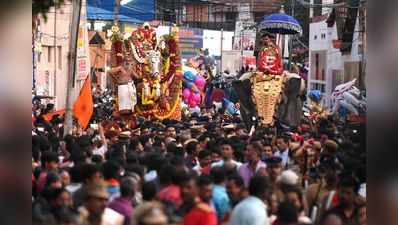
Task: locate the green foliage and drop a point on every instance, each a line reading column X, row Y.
column 41, row 7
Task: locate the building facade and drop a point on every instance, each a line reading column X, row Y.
column 335, row 49
column 51, row 55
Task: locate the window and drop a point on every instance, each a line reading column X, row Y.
column 313, row 86
column 59, row 51
column 230, row 16
column 49, row 54
column 38, row 56
column 323, row 36
column 315, row 37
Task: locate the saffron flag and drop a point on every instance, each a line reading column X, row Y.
column 84, row 106
column 49, row 116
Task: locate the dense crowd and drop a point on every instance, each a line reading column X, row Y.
column 207, row 169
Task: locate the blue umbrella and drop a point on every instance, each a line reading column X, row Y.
column 280, row 23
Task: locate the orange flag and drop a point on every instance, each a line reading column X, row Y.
column 84, row 106
column 49, row 116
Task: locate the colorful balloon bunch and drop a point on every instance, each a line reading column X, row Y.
column 194, row 85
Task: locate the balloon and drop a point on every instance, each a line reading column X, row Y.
column 189, row 76
column 196, row 98
column 186, row 94
column 191, row 102
column 200, row 82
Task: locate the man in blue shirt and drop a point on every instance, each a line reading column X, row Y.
column 220, row 196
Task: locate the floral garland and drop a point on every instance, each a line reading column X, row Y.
column 135, row 54
column 171, row 79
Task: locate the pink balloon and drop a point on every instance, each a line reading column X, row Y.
column 191, row 102
column 186, row 95
column 200, row 82
column 196, row 98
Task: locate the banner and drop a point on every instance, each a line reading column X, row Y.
column 191, row 40
column 83, row 51
column 245, row 36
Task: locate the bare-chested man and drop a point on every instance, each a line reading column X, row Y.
column 123, row 77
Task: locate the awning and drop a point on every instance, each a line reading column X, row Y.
column 132, row 11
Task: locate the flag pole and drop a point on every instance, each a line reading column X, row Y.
column 74, row 30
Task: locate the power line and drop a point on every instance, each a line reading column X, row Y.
column 333, row 5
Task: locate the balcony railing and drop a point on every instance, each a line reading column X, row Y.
column 226, row 26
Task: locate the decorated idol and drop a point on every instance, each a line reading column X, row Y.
column 155, row 67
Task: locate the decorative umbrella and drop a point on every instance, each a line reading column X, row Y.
column 280, row 23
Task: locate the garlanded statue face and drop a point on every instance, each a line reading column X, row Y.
column 153, row 59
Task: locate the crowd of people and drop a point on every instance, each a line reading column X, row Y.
column 207, row 169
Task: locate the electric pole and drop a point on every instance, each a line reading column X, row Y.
column 74, row 31
column 55, row 49
column 291, row 39
column 362, row 22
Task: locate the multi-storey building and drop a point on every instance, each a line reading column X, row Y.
column 335, row 46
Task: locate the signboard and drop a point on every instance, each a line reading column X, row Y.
column 83, row 51
column 47, row 83
column 244, row 12
column 191, row 40
column 245, row 36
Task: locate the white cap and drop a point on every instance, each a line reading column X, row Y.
column 289, row 177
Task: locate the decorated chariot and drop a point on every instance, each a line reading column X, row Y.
column 147, row 73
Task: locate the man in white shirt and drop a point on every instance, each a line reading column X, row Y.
column 252, row 210
column 227, row 154
column 100, row 142
column 282, row 143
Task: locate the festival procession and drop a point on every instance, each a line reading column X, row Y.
column 193, row 112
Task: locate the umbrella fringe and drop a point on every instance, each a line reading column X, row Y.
column 290, row 28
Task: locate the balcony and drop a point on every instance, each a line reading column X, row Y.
column 226, row 26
